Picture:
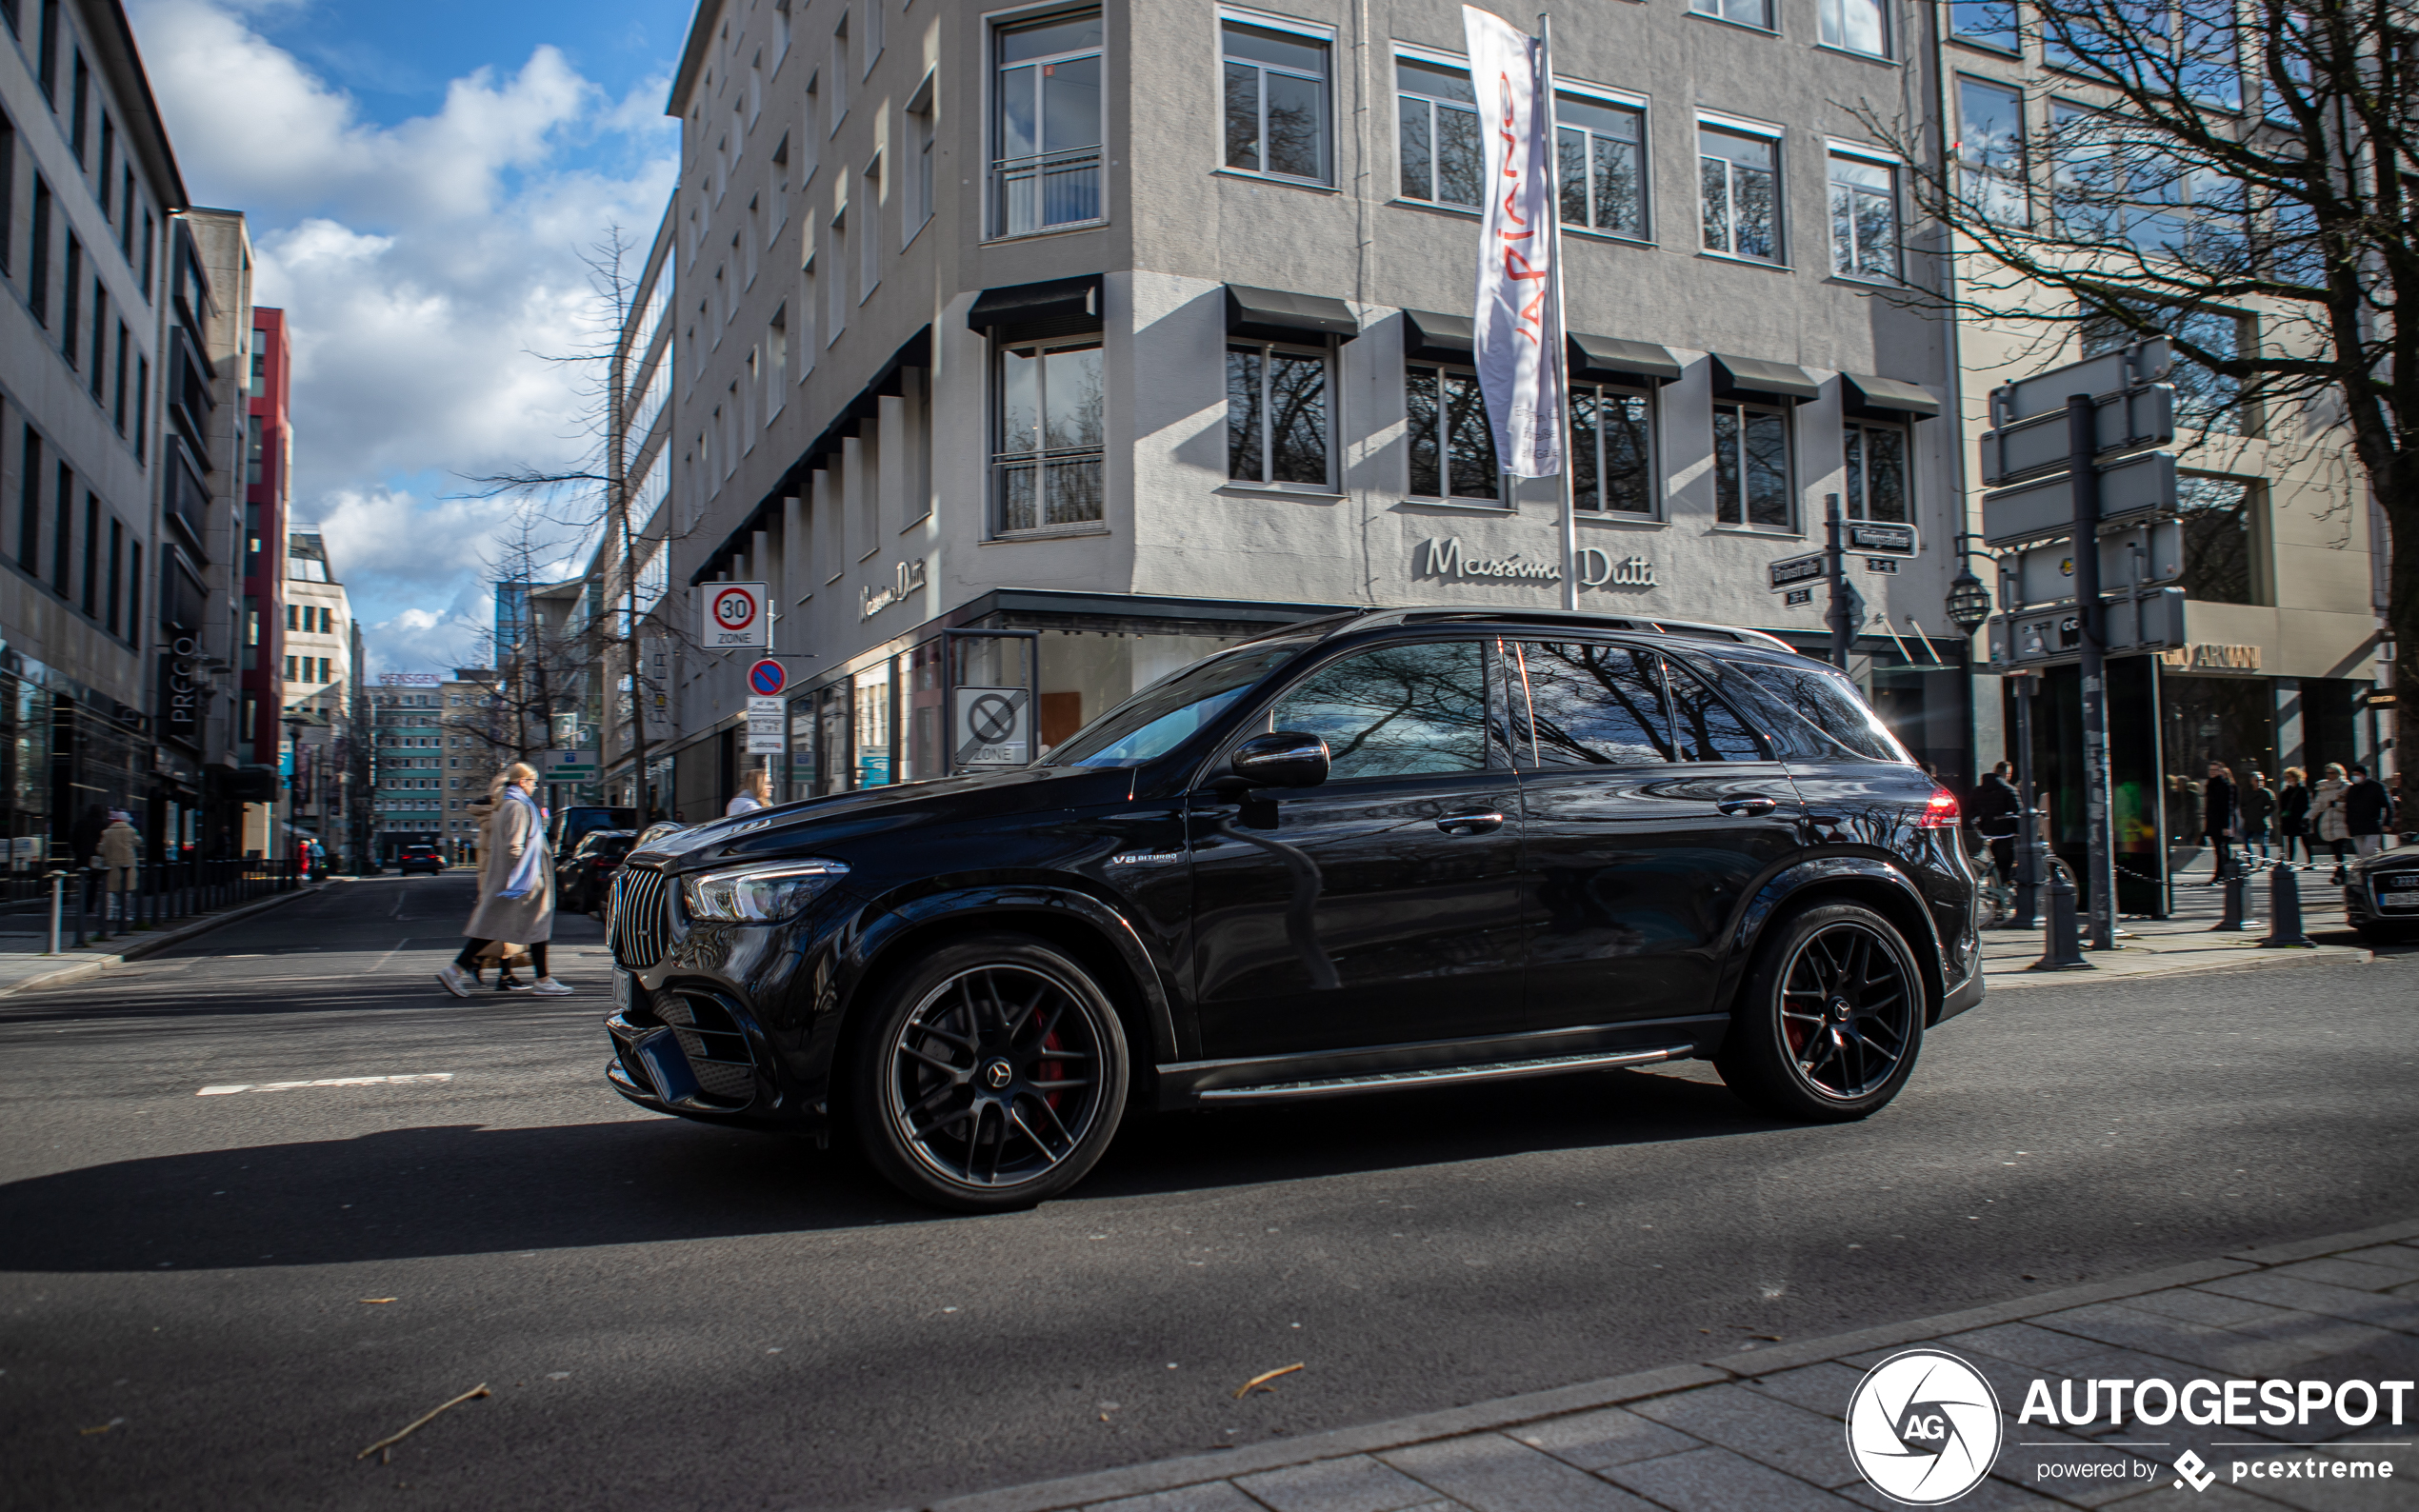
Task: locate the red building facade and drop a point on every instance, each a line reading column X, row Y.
column 268, row 494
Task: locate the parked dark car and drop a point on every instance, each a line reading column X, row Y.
column 1390, row 850
column 2380, row 895
column 575, row 821
column 420, row 858
column 583, row 879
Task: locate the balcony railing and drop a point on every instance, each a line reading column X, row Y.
column 1049, row 489
column 1046, row 192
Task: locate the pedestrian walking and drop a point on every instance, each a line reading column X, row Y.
column 2293, row 815
column 516, row 881
column 121, row 848
column 2328, row 820
column 1997, row 815
column 2369, row 812
column 2218, row 820
column 757, row 793
column 2257, row 804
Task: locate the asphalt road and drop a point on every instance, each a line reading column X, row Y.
column 670, row 1316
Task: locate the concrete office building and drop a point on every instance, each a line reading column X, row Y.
column 2284, row 555
column 87, row 180
column 318, row 682
column 407, row 712
column 1143, row 327
column 630, row 565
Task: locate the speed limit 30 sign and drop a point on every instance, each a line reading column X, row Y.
column 735, row 618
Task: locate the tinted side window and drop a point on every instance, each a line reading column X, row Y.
column 1395, row 711
column 1827, row 705
column 1709, row 731
column 1590, row 704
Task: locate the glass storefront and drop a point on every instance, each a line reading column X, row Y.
column 2227, row 720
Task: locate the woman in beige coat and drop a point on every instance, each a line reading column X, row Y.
column 2328, row 818
column 516, row 887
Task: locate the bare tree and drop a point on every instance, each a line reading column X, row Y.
column 2236, row 159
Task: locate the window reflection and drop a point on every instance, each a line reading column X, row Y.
column 1395, row 711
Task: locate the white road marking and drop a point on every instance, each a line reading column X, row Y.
column 381, row 964
column 325, row 1081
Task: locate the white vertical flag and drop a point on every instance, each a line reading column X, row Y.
column 1519, row 316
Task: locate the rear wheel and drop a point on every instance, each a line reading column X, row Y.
column 991, row 1076
column 1832, row 1016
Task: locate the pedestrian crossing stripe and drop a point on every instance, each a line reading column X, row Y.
column 325, row 1080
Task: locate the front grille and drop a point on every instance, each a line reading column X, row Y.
column 718, row 1050
column 642, row 929
column 2404, row 882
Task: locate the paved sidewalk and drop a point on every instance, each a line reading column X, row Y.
column 27, row 965
column 2187, row 941
column 1763, row 1429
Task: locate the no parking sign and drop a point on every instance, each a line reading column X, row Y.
column 766, row 679
column 735, row 617
column 994, row 727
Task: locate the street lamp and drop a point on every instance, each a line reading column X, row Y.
column 1968, row 601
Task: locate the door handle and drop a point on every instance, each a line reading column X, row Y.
column 1471, row 822
column 1754, row 805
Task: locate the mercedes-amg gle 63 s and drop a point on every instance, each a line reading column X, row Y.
column 1398, row 848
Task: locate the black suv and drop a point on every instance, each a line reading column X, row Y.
column 1399, row 848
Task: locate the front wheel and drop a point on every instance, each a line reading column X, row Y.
column 991, row 1076
column 1828, row 1024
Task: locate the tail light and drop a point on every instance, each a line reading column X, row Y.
column 1940, row 810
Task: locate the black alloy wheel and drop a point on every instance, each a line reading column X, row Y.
column 992, row 1077
column 1830, row 1018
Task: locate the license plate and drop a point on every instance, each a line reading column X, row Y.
column 621, row 988
column 2398, row 900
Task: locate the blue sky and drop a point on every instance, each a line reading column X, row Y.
column 420, row 183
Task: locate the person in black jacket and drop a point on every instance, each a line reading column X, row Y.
column 2369, row 812
column 2293, row 815
column 1997, row 812
column 2257, row 804
column 2218, row 820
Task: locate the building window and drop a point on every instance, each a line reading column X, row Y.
column 1453, row 447
column 1276, row 102
column 1601, row 162
column 1989, row 23
column 37, row 267
column 290, row 668
column 71, row 302
column 839, row 73
column 1436, row 117
column 1875, row 461
column 836, row 284
column 922, row 136
column 8, row 194
column 869, row 236
column 1756, row 14
column 1739, row 177
column 1613, row 449
column 1276, row 415
column 1858, row 26
column 1864, row 218
column 1751, row 466
column 1047, row 459
column 1047, row 126
column 2217, row 538
column 2113, row 179
column 2204, row 400
column 1990, row 151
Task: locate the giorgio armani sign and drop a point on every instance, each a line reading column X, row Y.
column 1598, row 568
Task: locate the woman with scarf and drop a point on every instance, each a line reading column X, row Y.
column 516, row 888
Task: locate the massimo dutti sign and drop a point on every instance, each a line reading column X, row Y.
column 1597, row 568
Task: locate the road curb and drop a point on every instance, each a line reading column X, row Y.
column 1188, row 1470
column 151, row 945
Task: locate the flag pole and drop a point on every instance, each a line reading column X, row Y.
column 1562, row 343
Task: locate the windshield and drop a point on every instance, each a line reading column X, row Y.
column 1163, row 716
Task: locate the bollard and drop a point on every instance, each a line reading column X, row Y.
column 2237, row 888
column 58, row 906
column 2064, row 948
column 2285, row 911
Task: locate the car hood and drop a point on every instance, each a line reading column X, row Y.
column 798, row 828
column 2406, row 858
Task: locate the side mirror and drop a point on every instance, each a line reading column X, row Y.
column 1289, row 758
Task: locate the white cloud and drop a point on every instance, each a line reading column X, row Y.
column 423, row 267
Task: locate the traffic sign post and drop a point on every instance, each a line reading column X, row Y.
column 2138, row 486
column 736, row 618
column 2083, row 439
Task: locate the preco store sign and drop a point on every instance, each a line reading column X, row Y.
column 184, row 689
column 1597, row 568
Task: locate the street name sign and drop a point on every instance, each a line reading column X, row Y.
column 567, row 765
column 735, row 618
column 1794, row 571
column 2044, row 573
column 2135, row 485
column 994, row 727
column 1879, row 538
column 2131, row 418
column 2145, row 362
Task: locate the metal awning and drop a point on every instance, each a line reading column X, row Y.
column 1052, row 307
column 1271, row 315
column 1610, row 359
column 1439, row 338
column 1782, row 383
column 1885, row 398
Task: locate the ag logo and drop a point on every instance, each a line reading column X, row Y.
column 1924, row 1427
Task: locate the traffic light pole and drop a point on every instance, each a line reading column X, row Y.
column 2100, row 859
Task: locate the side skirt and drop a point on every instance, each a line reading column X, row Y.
column 1381, row 1068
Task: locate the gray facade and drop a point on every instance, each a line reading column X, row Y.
column 966, row 351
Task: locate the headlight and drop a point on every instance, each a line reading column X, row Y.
column 763, row 893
